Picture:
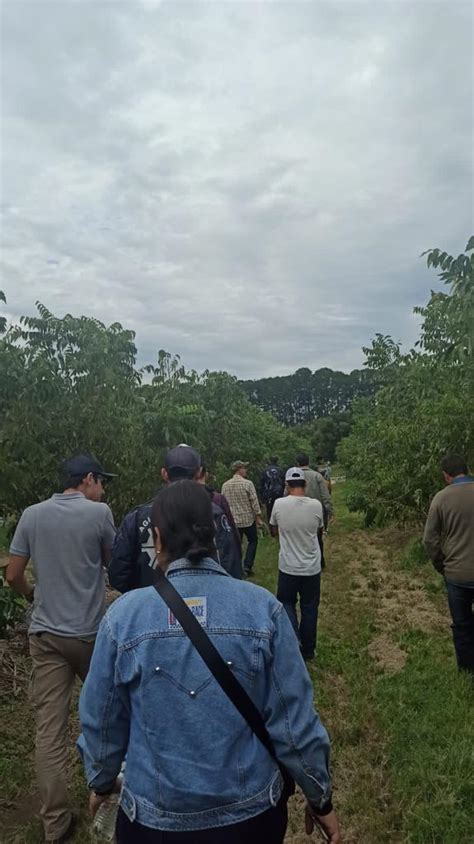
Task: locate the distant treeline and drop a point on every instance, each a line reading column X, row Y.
column 300, row 398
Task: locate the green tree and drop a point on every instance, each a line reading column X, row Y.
column 424, row 407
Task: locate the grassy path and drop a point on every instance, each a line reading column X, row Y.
column 399, row 715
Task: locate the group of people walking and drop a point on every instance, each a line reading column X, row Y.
column 214, row 726
column 194, row 678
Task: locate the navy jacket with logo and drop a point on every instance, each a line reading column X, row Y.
column 133, row 560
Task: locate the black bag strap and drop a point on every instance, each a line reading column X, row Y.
column 217, row 666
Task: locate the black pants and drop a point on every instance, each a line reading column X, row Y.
column 308, row 589
column 461, row 606
column 267, row 828
column 269, row 508
column 252, row 539
column 321, row 546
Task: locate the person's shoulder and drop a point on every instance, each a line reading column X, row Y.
column 99, row 508
column 466, row 488
column 255, row 596
column 35, row 508
column 441, row 496
column 130, row 604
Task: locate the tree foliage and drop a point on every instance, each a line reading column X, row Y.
column 424, row 406
column 71, row 384
column 300, row 398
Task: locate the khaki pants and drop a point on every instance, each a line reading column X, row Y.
column 56, row 662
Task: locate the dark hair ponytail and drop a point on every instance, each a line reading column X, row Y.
column 182, row 512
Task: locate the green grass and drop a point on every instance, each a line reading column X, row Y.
column 427, row 713
column 403, row 743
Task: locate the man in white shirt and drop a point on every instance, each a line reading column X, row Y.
column 296, row 519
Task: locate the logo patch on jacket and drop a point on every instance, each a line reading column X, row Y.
column 198, row 607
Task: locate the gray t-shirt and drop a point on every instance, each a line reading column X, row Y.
column 64, row 537
column 298, row 519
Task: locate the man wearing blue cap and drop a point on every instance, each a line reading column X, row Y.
column 69, row 539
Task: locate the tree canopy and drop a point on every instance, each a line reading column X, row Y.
column 424, row 406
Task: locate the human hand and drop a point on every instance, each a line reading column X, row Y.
column 328, row 825
column 96, row 800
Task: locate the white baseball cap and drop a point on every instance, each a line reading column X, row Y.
column 295, row 474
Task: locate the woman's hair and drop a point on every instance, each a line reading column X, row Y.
column 182, row 512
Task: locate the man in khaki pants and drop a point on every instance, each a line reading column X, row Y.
column 69, row 539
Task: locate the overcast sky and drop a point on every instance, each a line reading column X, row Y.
column 249, row 185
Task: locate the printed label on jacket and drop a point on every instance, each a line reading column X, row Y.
column 198, row 607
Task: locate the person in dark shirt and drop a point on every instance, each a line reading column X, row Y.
column 272, row 485
column 133, row 560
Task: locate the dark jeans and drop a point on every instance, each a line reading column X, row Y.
column 252, row 539
column 321, row 546
column 461, row 606
column 308, row 588
column 269, row 508
column 267, row 828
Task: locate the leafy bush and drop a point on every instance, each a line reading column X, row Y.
column 424, row 406
column 12, row 608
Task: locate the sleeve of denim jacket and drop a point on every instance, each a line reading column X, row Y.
column 299, row 738
column 104, row 715
column 123, row 569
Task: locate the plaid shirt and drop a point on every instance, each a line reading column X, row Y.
column 243, row 501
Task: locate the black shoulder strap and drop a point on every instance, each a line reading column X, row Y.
column 217, row 666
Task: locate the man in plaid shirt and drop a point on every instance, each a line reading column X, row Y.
column 242, row 497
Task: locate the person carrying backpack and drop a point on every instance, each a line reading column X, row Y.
column 133, row 563
column 272, row 485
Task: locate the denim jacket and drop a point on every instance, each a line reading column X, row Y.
column 192, row 761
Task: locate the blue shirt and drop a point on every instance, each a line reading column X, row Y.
column 192, row 760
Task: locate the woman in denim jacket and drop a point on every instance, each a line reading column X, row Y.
column 195, row 771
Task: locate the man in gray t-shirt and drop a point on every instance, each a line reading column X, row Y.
column 296, row 519
column 68, row 539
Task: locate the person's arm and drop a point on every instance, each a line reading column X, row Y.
column 16, row 576
column 20, row 553
column 325, row 498
column 105, row 715
column 301, row 742
column 123, row 567
column 226, row 508
column 108, row 536
column 432, row 537
column 274, row 521
column 252, row 494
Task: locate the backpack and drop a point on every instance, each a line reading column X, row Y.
column 228, row 551
column 273, row 484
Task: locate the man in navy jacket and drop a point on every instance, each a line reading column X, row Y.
column 133, row 560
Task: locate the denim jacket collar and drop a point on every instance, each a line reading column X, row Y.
column 206, row 565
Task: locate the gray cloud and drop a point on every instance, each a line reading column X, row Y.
column 247, row 184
